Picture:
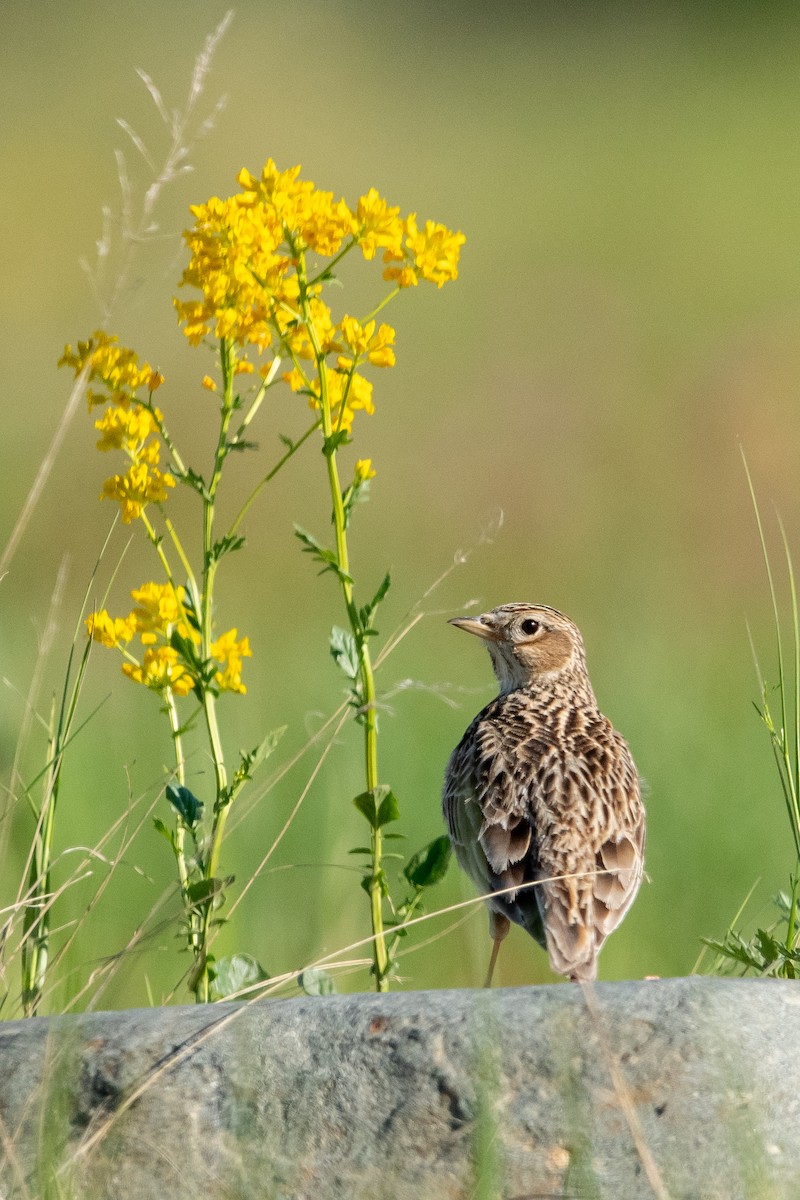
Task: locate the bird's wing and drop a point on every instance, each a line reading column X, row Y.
column 487, row 816
column 592, row 830
column 462, row 812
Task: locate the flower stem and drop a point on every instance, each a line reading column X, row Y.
column 192, row 926
column 366, row 714
column 200, row 974
column 36, row 928
column 292, row 450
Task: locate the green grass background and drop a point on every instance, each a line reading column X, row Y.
column 628, row 311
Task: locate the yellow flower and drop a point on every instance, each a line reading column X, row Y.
column 298, row 337
column 127, row 427
column 435, row 250
column 295, row 380
column 161, row 670
column 229, row 654
column 364, row 342
column 160, row 608
column 110, row 631
column 236, row 266
column 347, row 394
column 404, row 277
column 363, row 471
column 359, row 395
column 378, row 225
column 116, row 367
column 280, row 192
column 209, row 383
column 322, row 224
column 141, row 485
column 309, row 217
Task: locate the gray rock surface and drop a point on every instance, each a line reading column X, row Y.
column 691, row 1085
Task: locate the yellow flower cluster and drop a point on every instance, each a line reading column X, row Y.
column 245, row 255
column 110, row 631
column 160, row 608
column 141, row 485
column 363, row 472
column 115, row 367
column 126, row 424
column 229, row 654
column 433, row 253
column 365, row 344
column 347, row 394
column 160, row 669
column 161, row 612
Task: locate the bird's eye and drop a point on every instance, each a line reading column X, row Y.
column 529, row 626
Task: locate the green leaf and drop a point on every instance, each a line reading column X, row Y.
column 207, row 889
column 316, row 982
column 352, row 495
column 185, row 803
column 768, row 946
column 327, row 557
column 360, row 850
column 233, row 974
column 186, row 649
column 165, row 831
column 371, row 804
column 365, row 803
column 194, row 481
column 429, row 865
column 344, row 651
column 368, row 611
column 250, row 760
column 389, row 809
column 225, row 545
column 331, row 444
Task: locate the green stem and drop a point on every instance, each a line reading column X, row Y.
column 205, row 617
column 337, row 258
column 257, row 401
column 36, row 926
column 295, row 446
column 180, row 775
column 792, row 923
column 187, row 566
column 164, row 432
column 158, row 544
column 366, row 673
column 194, row 919
column 408, row 913
column 221, row 806
column 386, row 299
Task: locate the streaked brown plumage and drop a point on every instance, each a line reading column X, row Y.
column 541, row 786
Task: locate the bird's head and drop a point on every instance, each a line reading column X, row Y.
column 529, row 644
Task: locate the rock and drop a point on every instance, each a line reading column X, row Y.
column 688, row 1085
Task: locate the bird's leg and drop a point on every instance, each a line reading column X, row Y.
column 498, row 931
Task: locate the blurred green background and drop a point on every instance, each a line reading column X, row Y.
column 628, row 312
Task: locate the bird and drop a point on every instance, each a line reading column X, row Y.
column 543, row 791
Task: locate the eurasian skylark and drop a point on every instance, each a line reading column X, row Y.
column 542, row 787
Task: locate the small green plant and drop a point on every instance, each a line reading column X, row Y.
column 262, row 259
column 775, row 950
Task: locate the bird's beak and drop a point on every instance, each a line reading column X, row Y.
column 477, row 625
